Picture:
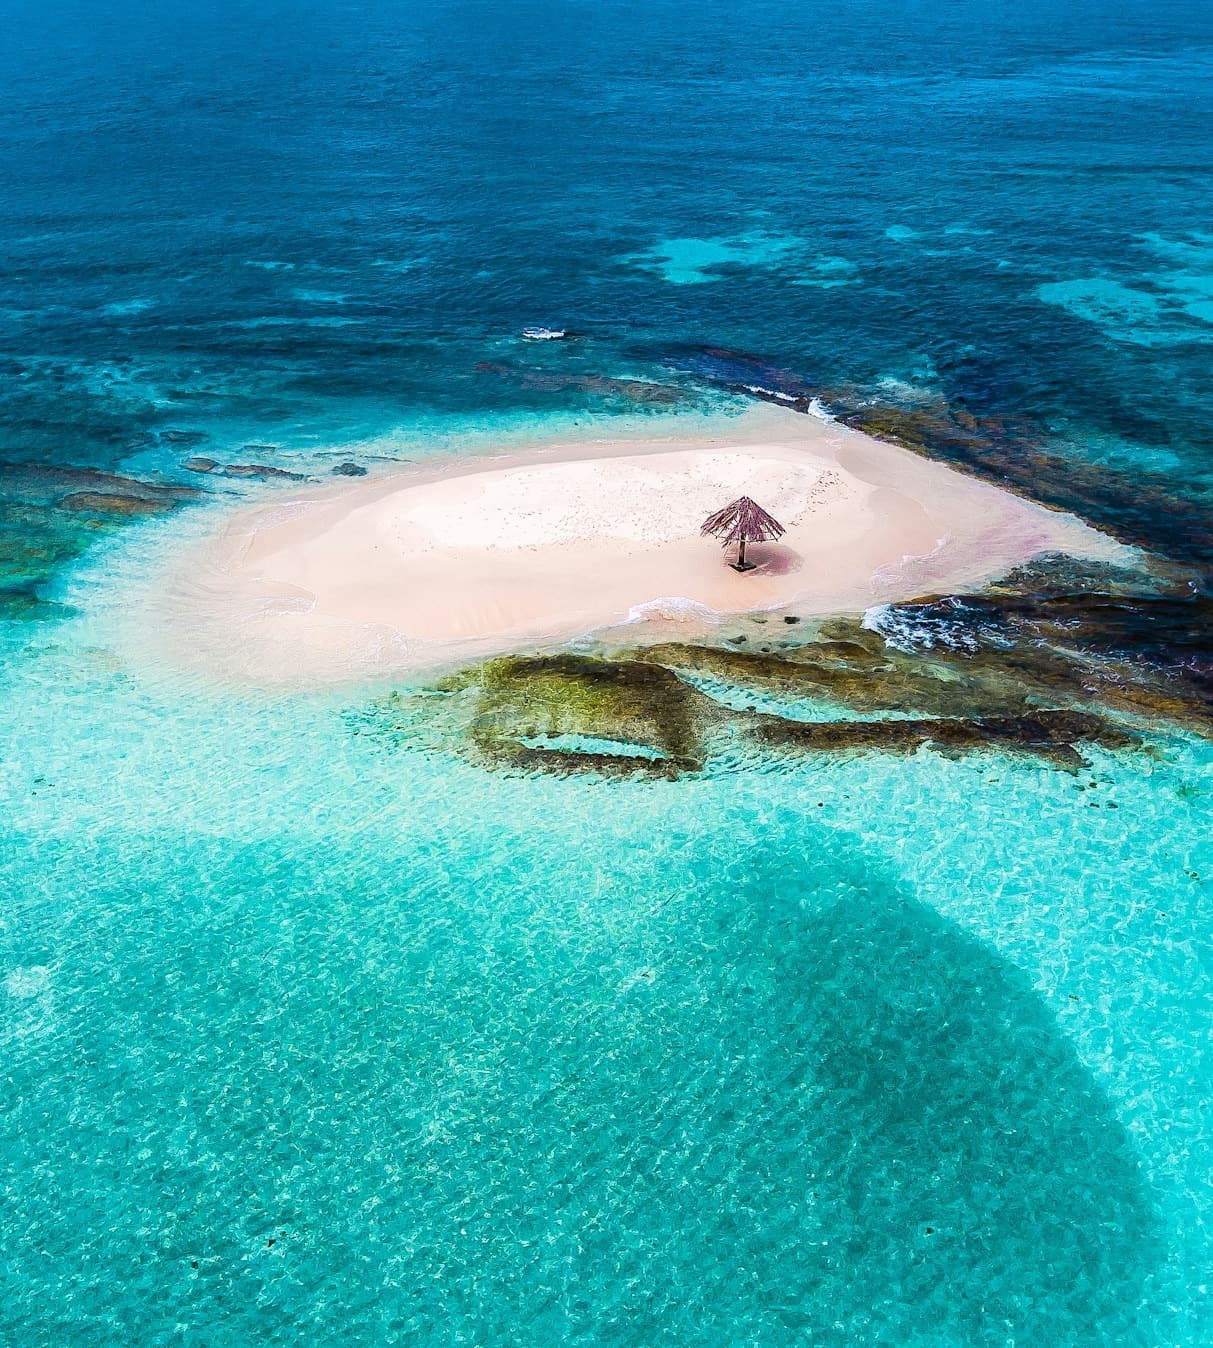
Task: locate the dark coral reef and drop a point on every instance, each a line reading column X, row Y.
column 527, row 709
column 1054, row 659
column 49, row 515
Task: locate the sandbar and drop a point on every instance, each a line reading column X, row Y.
column 438, row 565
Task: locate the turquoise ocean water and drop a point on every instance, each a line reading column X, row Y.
column 307, row 1036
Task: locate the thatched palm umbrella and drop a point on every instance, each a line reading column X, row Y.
column 742, row 522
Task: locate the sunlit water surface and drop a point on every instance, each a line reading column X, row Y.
column 312, row 1036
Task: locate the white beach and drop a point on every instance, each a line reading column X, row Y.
column 427, row 568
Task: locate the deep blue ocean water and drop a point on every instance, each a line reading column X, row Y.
column 319, row 219
column 304, row 1041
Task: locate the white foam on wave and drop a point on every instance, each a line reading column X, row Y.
column 901, row 571
column 815, row 407
column 673, row 608
column 910, row 632
column 821, row 412
column 308, row 296
column 759, row 391
column 905, row 393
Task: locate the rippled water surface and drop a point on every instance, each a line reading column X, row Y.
column 315, row 1035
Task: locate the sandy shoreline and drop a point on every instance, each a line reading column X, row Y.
column 425, row 569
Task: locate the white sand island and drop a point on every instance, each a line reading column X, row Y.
column 424, row 569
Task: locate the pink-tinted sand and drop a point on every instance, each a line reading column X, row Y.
column 425, row 569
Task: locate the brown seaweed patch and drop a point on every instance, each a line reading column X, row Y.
column 26, row 605
column 523, row 702
column 113, row 503
column 854, row 668
column 1052, row 735
column 47, row 484
column 572, row 713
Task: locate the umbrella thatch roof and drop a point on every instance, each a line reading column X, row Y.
column 744, row 521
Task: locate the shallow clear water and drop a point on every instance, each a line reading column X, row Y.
column 312, row 1035
column 308, row 1033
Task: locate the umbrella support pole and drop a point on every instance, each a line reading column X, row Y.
column 741, row 564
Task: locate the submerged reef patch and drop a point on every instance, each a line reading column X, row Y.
column 743, row 374
column 558, row 713
column 1020, row 672
column 49, row 515
column 261, row 472
column 524, row 702
column 1052, row 735
column 699, row 261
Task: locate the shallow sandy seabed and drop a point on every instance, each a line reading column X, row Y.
column 459, row 560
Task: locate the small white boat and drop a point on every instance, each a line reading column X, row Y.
column 538, row 334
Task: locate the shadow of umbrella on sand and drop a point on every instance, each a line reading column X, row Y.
column 742, row 522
